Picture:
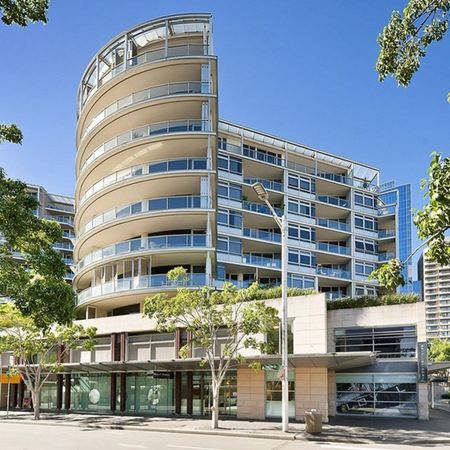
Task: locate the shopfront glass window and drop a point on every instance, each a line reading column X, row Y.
column 90, row 392
column 273, row 393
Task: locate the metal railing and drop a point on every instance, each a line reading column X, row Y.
column 260, row 208
column 269, row 184
column 146, row 169
column 262, row 235
column 144, row 244
column 163, row 90
column 332, row 248
column 334, row 224
column 145, row 206
column 154, row 129
column 250, row 153
column 139, row 282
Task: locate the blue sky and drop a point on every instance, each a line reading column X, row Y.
column 300, row 69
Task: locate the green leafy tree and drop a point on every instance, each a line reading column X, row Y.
column 35, row 281
column 432, row 222
column 39, row 353
column 439, row 350
column 222, row 324
column 23, row 12
column 404, row 41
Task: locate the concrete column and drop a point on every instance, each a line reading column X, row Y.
column 422, row 401
column 250, row 394
column 331, row 393
column 311, row 392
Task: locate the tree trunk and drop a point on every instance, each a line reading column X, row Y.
column 215, row 408
column 36, row 397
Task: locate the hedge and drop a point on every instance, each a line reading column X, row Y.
column 367, row 301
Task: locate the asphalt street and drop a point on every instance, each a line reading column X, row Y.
column 50, row 437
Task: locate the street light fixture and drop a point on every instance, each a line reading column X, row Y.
column 263, row 195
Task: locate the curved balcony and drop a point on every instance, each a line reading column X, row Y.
column 169, row 165
column 155, row 129
column 149, row 205
column 145, row 244
column 155, row 92
column 138, row 283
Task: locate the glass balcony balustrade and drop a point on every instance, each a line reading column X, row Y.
column 182, row 164
column 333, row 200
column 93, row 80
column 262, row 235
column 386, row 233
column 155, row 129
column 269, row 184
column 386, row 210
column 260, row 208
column 262, row 261
column 61, row 208
column 139, row 283
column 150, row 205
column 163, row 90
column 337, row 273
column 332, row 248
column 334, row 224
column 250, row 153
column 63, row 245
column 172, row 241
column 385, row 256
column 60, row 219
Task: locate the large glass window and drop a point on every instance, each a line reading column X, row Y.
column 230, row 245
column 366, row 246
column 229, row 164
column 90, row 392
column 301, row 183
column 366, row 223
column 229, row 191
column 300, row 281
column 376, row 394
column 300, row 208
column 301, row 233
column 363, row 268
column 273, row 393
column 388, row 342
column 300, row 258
column 229, row 218
column 363, row 199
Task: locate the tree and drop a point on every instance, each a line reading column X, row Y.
column 36, row 281
column 222, row 324
column 39, row 352
column 439, row 350
column 406, row 38
column 23, row 12
column 432, row 222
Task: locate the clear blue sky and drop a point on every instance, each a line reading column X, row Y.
column 300, row 69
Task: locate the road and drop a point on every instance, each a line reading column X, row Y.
column 59, row 437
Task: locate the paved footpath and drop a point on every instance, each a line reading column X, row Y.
column 348, row 430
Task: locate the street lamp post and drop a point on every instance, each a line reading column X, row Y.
column 263, row 195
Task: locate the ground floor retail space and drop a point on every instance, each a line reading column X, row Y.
column 245, row 393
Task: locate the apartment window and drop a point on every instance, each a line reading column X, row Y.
column 229, row 218
column 367, row 200
column 366, row 223
column 361, row 290
column 229, row 245
column 388, row 342
column 229, row 191
column 364, row 269
column 366, row 246
column 301, row 258
column 301, row 233
column 261, row 155
column 222, row 143
column 300, row 281
column 229, row 164
column 300, row 183
column 334, row 292
column 300, row 208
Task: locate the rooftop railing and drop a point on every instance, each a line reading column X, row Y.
column 155, row 129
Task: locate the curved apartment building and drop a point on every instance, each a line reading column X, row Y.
column 146, row 165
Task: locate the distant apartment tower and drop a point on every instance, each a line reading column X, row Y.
column 61, row 209
column 400, row 198
column 435, row 281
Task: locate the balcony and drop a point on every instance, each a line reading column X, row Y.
column 261, row 261
column 260, row 208
column 155, row 129
column 332, row 248
column 182, row 164
column 385, row 256
column 142, row 282
column 383, row 234
column 70, row 209
column 334, row 224
column 139, row 245
column 269, row 184
column 262, row 235
column 163, row 90
column 333, row 200
column 151, row 205
column 250, row 153
column 335, row 273
column 60, row 219
column 386, row 210
column 63, row 246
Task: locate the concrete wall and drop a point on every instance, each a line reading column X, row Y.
column 251, row 400
column 331, row 393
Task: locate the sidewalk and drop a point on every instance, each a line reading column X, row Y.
column 342, row 429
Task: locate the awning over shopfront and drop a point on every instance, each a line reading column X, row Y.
column 438, row 366
column 334, row 361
